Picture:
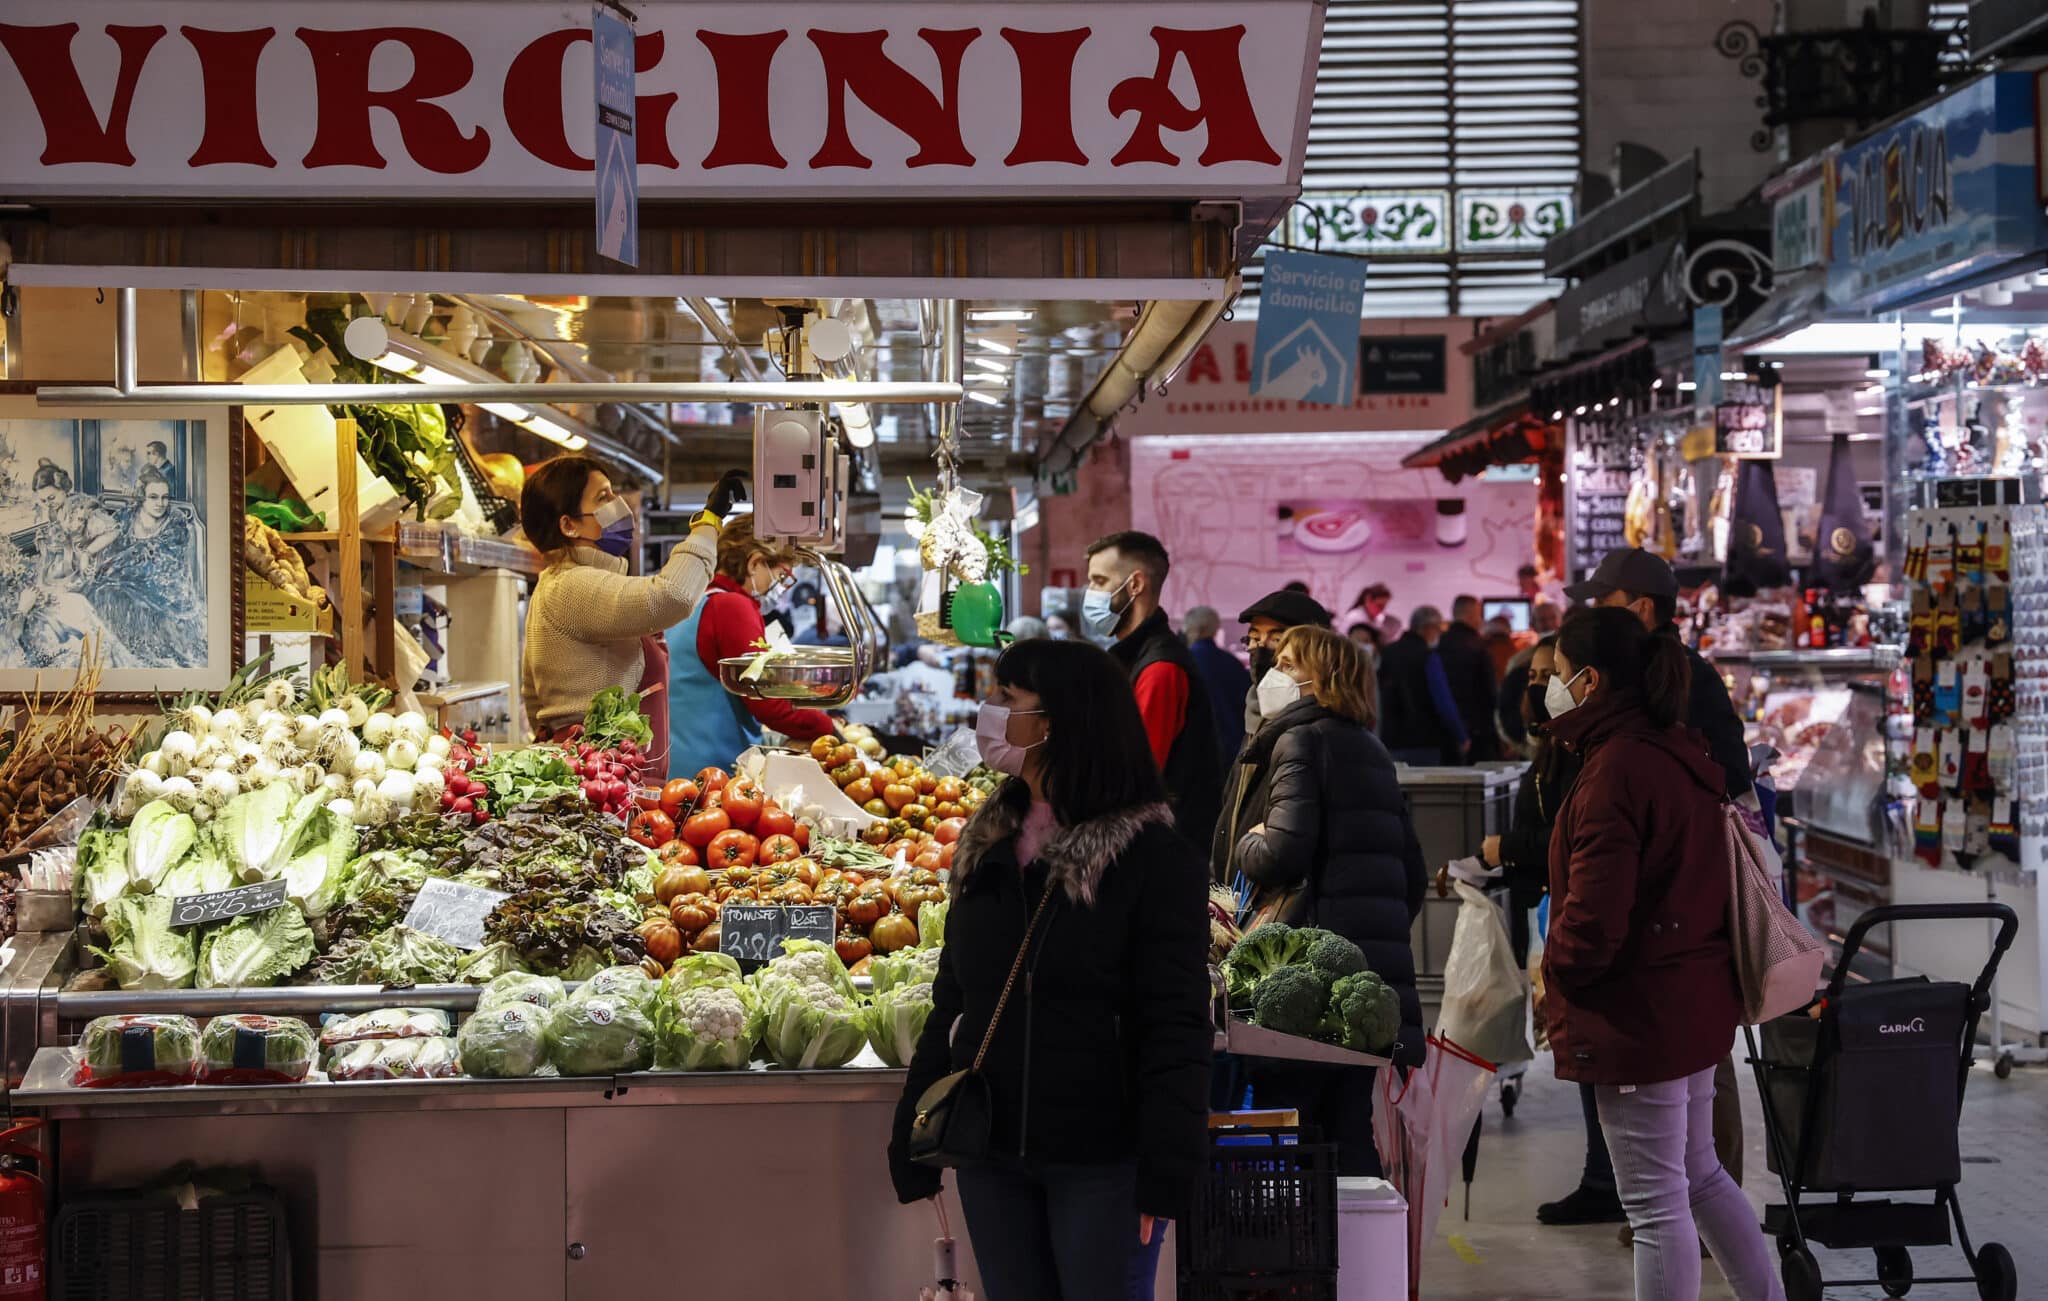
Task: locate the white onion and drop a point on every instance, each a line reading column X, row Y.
column 226, row 763
column 307, row 729
column 332, row 721
column 309, row 778
column 430, row 779
column 280, row 693
column 378, row 730
column 202, row 812
column 362, row 790
column 219, row 787
column 372, row 811
column 154, row 763
column 343, row 809
column 414, row 727
column 178, row 750
column 368, row 764
column 209, row 750
column 335, row 784
column 402, row 754
column 341, row 754
column 229, row 724
column 264, row 773
column 357, row 712
column 397, row 789
column 196, row 719
column 181, row 794
column 146, row 784
column 271, row 718
column 247, row 755
column 438, row 746
column 430, row 763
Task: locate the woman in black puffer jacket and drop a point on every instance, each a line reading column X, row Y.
column 1324, row 833
column 1099, row 1066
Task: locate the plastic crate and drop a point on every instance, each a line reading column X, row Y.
column 1267, row 1207
column 137, row 1247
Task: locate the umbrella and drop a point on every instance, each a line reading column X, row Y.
column 945, row 1277
column 1421, row 1126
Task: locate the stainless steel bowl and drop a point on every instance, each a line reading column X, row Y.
column 821, row 677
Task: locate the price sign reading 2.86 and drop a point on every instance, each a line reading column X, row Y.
column 223, row 905
column 754, row 933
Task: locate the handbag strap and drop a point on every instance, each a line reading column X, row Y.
column 988, row 1036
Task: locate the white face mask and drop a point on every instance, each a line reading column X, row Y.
column 1557, row 697
column 1098, row 610
column 992, row 739
column 1276, row 692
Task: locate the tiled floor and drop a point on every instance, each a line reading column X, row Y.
column 1501, row 1254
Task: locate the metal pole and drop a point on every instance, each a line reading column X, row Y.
column 707, row 314
column 124, row 340
column 952, row 345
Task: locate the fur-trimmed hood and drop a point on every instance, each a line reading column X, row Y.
column 1075, row 856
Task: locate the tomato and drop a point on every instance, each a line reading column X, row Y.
column 807, row 871
column 896, row 795
column 860, row 791
column 925, row 783
column 822, row 748
column 780, row 849
column 851, row 948
column 946, row 855
column 949, row 810
column 878, row 834
column 677, row 881
column 903, row 848
column 691, row 914
column 869, row 904
column 914, row 814
column 677, row 796
column 733, row 848
column 743, row 800
column 847, row 774
column 703, row 828
column 680, row 853
column 843, row 755
column 949, row 830
column 664, row 942
column 928, row 860
column 876, row 808
column 803, row 837
column 713, row 779
column 652, row 828
column 774, row 822
column 893, row 932
column 948, row 790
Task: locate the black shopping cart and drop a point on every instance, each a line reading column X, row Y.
column 1865, row 1099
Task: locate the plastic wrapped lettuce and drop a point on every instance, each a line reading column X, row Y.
column 707, row 1027
column 696, row 969
column 252, row 1048
column 542, row 992
column 385, row 1023
column 137, row 1050
column 395, row 1059
column 807, row 1025
column 509, row 1042
column 895, row 1019
column 620, row 982
column 600, row 1035
column 904, row 967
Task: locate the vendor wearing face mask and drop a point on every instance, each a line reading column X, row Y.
column 589, row 623
column 1126, row 573
column 710, row 726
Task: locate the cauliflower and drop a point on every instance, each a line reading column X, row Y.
column 1364, row 1014
column 895, row 1020
column 1291, row 1000
column 1332, row 954
column 707, row 1027
column 904, row 967
column 1267, row 949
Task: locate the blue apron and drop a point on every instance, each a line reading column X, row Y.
column 708, row 726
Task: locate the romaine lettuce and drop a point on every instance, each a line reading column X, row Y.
column 157, row 838
column 261, row 949
column 144, row 952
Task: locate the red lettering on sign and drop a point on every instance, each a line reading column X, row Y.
column 227, row 72
column 342, row 137
column 1241, row 353
column 650, row 112
column 854, row 62
column 533, row 103
column 744, row 135
column 72, row 131
column 1222, row 100
column 1202, row 367
column 1045, row 71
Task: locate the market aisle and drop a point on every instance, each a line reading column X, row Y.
column 1507, row 1257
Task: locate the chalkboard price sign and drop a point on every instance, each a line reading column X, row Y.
column 225, row 905
column 454, row 912
column 754, row 932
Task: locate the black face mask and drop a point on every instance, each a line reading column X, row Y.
column 1539, row 711
column 1263, row 659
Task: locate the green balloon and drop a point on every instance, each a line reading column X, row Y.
column 977, row 613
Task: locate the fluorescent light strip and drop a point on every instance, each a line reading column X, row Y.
column 1000, row 314
column 975, row 395
column 995, row 366
column 993, row 346
column 374, row 336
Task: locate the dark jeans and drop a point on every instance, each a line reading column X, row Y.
column 1599, row 1175
column 1052, row 1232
column 1335, row 1099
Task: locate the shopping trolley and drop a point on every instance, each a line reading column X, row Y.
column 1865, row 1098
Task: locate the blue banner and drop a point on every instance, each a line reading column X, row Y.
column 1935, row 199
column 1707, row 325
column 1306, row 348
column 618, row 169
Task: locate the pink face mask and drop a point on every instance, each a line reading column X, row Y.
column 992, row 738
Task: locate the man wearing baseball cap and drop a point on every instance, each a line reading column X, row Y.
column 1643, row 582
column 1265, row 619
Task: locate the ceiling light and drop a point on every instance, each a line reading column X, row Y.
column 860, row 425
column 1000, row 314
column 1950, row 310
column 371, row 340
column 1557, row 415
column 1734, row 374
column 983, row 377
column 1869, row 411
column 1657, row 383
column 508, row 411
column 1687, row 386
column 1877, row 372
column 1599, row 407
column 992, row 345
column 987, row 364
column 1579, row 410
column 987, row 400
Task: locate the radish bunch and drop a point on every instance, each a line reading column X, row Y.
column 610, row 777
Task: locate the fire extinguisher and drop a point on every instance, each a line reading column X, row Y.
column 23, row 1206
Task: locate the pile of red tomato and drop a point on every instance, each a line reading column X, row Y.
column 719, row 821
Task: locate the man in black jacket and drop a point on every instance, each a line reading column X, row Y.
column 1643, row 582
column 1126, row 573
column 1419, row 719
column 1468, row 666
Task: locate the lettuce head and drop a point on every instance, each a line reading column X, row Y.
column 895, row 1019
column 144, row 951
column 261, row 949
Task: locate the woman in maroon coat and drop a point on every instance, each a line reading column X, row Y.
column 1641, row 993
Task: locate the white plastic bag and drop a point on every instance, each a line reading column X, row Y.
column 1486, row 1005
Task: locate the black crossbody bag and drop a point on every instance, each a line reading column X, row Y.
column 955, row 1115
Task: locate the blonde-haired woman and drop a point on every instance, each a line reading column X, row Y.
column 1323, row 838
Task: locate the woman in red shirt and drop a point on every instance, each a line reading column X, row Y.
column 708, row 725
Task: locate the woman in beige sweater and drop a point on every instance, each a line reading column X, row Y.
column 590, row 624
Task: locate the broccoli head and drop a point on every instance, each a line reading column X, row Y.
column 1332, row 954
column 1258, row 955
column 1292, row 1000
column 1363, row 1014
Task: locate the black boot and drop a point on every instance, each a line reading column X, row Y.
column 1582, row 1206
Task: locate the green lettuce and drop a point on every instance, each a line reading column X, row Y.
column 101, row 873
column 144, row 951
column 810, row 1026
column 620, row 982
column 895, row 1020
column 402, row 957
column 157, row 838
column 202, row 871
column 504, row 1043
column 259, row 830
column 696, row 969
column 490, row 962
column 931, row 923
column 317, row 872
column 600, row 1036
column 904, row 967
column 542, row 992
column 261, row 949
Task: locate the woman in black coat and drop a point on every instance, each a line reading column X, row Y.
column 1323, row 837
column 1099, row 1065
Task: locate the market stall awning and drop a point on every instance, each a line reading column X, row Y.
column 1624, row 371
column 1506, row 436
column 1797, row 301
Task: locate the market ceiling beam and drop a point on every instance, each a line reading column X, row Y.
column 331, row 394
